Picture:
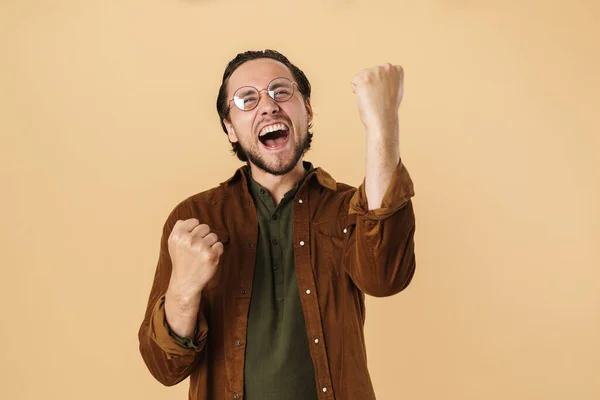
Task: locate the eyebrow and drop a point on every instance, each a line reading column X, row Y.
column 276, row 85
column 246, row 92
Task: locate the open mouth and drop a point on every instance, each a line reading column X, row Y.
column 274, row 136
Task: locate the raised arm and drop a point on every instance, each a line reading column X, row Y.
column 174, row 330
column 380, row 255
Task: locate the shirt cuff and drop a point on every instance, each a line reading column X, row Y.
column 398, row 193
column 168, row 341
column 189, row 342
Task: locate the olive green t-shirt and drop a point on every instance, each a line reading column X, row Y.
column 278, row 364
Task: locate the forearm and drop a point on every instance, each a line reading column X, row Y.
column 181, row 312
column 383, row 156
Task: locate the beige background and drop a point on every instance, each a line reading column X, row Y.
column 107, row 120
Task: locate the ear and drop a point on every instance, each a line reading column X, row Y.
column 230, row 131
column 309, row 111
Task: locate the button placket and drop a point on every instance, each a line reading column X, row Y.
column 313, row 328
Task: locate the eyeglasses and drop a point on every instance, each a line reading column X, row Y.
column 247, row 98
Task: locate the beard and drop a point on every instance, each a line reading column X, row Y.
column 277, row 168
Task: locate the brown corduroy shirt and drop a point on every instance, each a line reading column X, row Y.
column 342, row 251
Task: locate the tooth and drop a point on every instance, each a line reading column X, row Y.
column 272, row 128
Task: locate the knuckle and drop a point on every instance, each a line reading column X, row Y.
column 174, row 236
column 210, row 256
column 203, row 255
column 204, row 227
column 211, row 236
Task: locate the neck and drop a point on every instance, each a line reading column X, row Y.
column 278, row 185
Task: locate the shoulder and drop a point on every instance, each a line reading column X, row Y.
column 201, row 205
column 335, row 188
column 330, row 199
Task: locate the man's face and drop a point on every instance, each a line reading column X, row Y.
column 274, row 151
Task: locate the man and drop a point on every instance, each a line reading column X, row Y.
column 259, row 289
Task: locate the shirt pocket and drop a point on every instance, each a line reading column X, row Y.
column 220, row 275
column 331, row 240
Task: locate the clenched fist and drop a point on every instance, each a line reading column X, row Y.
column 379, row 92
column 195, row 254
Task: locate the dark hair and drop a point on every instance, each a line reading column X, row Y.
column 222, row 103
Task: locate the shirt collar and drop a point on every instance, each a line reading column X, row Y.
column 318, row 173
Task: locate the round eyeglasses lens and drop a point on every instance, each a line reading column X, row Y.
column 281, row 89
column 246, row 98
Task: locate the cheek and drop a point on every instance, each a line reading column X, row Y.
column 243, row 127
column 298, row 115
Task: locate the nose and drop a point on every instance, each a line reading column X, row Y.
column 268, row 106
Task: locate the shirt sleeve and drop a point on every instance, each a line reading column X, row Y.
column 189, row 342
column 169, row 341
column 380, row 250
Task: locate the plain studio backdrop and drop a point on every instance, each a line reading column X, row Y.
column 108, row 120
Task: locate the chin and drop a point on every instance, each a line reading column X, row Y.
column 276, row 162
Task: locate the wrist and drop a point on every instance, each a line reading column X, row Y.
column 186, row 303
column 383, row 128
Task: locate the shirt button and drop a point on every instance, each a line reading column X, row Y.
column 301, row 243
column 275, row 242
column 345, row 230
column 324, row 389
column 243, row 291
column 316, row 340
column 236, row 396
column 300, row 201
column 307, row 291
column 262, row 191
column 238, row 343
column 249, row 244
column 276, row 267
column 275, row 217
